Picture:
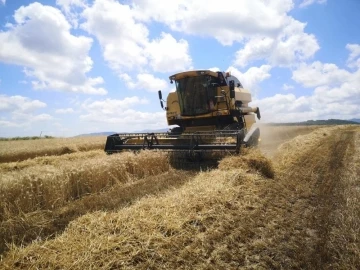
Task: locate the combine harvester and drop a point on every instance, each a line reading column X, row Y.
column 212, row 117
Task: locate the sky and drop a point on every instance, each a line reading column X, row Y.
column 69, row 67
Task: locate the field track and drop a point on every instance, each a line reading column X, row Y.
column 328, row 164
column 314, row 184
column 296, row 208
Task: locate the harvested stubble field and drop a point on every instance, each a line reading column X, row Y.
column 292, row 204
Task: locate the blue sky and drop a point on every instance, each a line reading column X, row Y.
column 76, row 66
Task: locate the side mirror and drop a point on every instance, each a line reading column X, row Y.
column 161, row 100
column 258, row 113
column 232, row 89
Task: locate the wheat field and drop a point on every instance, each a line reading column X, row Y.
column 293, row 203
column 19, row 150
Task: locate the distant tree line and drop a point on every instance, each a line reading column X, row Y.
column 26, row 138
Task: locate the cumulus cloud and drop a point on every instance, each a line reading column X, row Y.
column 287, row 87
column 289, row 108
column 19, row 104
column 336, row 94
column 122, row 114
column 317, row 74
column 20, row 111
column 166, row 54
column 109, row 106
column 252, row 77
column 272, row 34
column 214, row 69
column 130, row 48
column 227, row 21
column 70, row 9
column 40, row 40
column 354, row 57
column 64, row 111
column 145, row 81
column 290, row 46
column 67, row 5
column 306, row 3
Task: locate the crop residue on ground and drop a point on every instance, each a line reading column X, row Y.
column 253, row 212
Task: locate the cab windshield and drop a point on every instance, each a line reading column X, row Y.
column 197, row 94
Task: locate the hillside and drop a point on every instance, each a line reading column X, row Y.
column 355, row 120
column 319, row 122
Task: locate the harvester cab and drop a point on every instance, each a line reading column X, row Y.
column 209, row 112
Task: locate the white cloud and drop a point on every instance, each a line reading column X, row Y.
column 272, row 34
column 280, row 103
column 214, row 69
column 113, row 106
column 285, row 108
column 19, row 104
column 67, row 5
column 131, row 119
column 226, row 21
column 57, row 63
column 289, row 108
column 64, row 111
column 256, row 48
column 287, row 87
column 70, row 9
column 20, row 111
column 125, row 49
column 354, row 57
column 166, row 54
column 306, row 3
column 252, row 77
column 130, row 48
column 347, row 93
column 317, row 74
column 42, row 117
column 336, row 95
column 3, row 2
column 290, row 46
column 145, row 81
column 122, row 115
column 9, row 124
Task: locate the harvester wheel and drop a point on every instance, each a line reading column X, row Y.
column 176, row 131
column 195, row 156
